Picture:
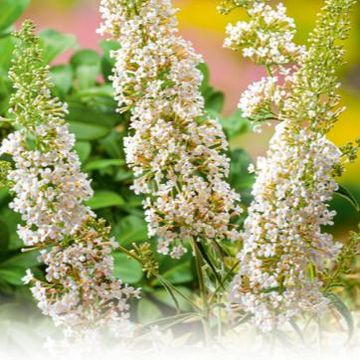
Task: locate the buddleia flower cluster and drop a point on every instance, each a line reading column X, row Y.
column 79, row 290
column 266, row 39
column 285, row 248
column 178, row 155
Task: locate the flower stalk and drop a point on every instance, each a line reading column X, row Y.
column 79, row 291
column 285, row 249
column 177, row 153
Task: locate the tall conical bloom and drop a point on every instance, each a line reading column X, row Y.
column 176, row 152
column 79, row 290
column 285, row 248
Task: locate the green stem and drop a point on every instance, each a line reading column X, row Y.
column 173, row 288
column 129, row 253
column 269, row 70
column 224, row 279
column 5, row 120
column 166, row 284
column 203, row 292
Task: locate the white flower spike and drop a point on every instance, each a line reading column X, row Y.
column 283, row 237
column 79, row 292
column 178, row 155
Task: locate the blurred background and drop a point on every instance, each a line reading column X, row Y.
column 200, row 23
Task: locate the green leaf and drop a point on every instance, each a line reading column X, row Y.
column 10, row 11
column 12, row 275
column 4, row 236
column 12, row 270
column 93, row 110
column 4, row 196
column 12, row 220
column 206, row 76
column 83, row 149
column 5, row 91
column 164, row 297
column 102, row 93
column 127, row 270
column 24, row 260
column 179, row 274
column 5, row 289
column 148, row 311
column 346, row 194
column 343, row 311
column 167, row 263
column 86, row 64
column 55, row 43
column 86, row 76
column 123, row 175
column 215, row 101
column 113, row 144
column 235, row 124
column 103, row 164
column 104, row 198
column 85, row 57
column 240, row 178
column 7, row 47
column 130, row 229
column 107, row 62
column 61, row 76
column 88, row 132
column 207, row 260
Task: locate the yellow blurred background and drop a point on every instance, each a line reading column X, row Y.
column 200, row 23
